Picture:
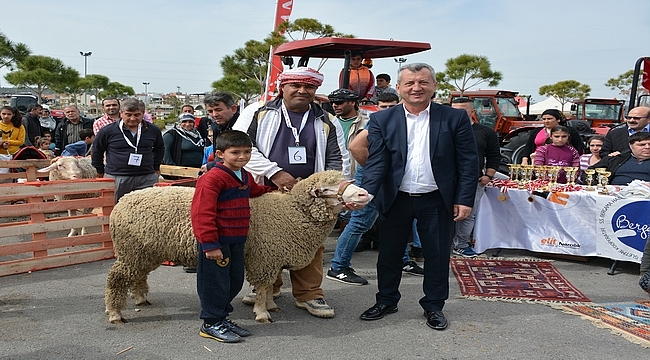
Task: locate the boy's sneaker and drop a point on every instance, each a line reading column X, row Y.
column 252, row 297
column 416, row 254
column 413, row 268
column 236, row 328
column 644, row 281
column 467, row 252
column 316, row 307
column 219, row 332
column 346, row 276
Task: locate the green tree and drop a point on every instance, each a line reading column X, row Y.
column 10, row 53
column 94, row 84
column 304, row 27
column 565, row 91
column 70, row 84
column 623, row 83
column 244, row 72
column 444, row 87
column 116, row 89
column 39, row 73
column 467, row 71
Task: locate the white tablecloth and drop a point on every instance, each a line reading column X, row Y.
column 578, row 223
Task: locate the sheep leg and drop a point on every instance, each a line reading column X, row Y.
column 73, row 232
column 261, row 313
column 140, row 288
column 85, row 211
column 117, row 286
column 270, row 302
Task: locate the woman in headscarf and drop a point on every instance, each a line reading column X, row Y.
column 47, row 121
column 183, row 143
column 541, row 136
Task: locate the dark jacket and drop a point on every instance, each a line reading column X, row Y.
column 617, row 139
column 452, row 148
column 61, row 133
column 110, row 141
column 32, row 126
column 611, row 163
column 575, row 140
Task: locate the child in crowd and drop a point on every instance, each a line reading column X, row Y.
column 48, row 135
column 208, row 153
column 220, row 219
column 81, row 147
column 558, row 153
column 43, row 145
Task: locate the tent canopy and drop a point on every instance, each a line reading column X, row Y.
column 549, row 103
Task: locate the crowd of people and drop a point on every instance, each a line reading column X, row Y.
column 425, row 165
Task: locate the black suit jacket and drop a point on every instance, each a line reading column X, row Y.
column 452, row 148
column 617, row 139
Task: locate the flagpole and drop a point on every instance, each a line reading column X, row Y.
column 268, row 74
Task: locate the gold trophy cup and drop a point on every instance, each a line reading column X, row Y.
column 590, row 179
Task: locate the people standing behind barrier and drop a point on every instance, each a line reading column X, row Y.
column 67, row 132
column 47, row 121
column 558, row 152
column 134, row 150
column 489, row 157
column 541, row 136
column 382, row 87
column 12, row 130
column 293, row 138
column 43, row 145
column 617, row 140
column 183, row 144
column 629, row 165
column 111, row 107
column 81, row 147
column 220, row 220
column 595, row 143
column 32, row 123
column 421, row 165
column 362, row 81
column 223, row 114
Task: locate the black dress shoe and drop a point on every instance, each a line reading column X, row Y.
column 436, row 320
column 378, row 311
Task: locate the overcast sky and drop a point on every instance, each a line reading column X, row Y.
column 180, row 43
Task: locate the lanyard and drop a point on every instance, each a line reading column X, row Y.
column 303, row 122
column 137, row 136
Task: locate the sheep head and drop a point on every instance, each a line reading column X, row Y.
column 70, row 168
column 323, row 194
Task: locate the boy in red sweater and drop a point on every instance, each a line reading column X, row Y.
column 220, row 220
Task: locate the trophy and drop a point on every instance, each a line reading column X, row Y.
column 604, row 181
column 518, row 176
column 590, row 178
column 600, row 177
column 571, row 174
column 511, row 168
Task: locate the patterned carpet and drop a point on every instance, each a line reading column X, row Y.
column 514, row 280
column 628, row 319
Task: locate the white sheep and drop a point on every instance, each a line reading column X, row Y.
column 72, row 168
column 153, row 225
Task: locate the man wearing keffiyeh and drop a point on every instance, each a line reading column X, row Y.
column 293, row 138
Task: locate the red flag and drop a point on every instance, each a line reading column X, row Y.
column 645, row 81
column 282, row 13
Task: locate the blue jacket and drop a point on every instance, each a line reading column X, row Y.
column 452, row 147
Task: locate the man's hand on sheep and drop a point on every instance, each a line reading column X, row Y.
column 283, row 180
column 215, row 254
column 461, row 212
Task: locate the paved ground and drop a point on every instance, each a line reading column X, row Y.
column 58, row 314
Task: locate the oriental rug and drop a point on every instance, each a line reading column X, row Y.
column 514, row 280
column 628, row 319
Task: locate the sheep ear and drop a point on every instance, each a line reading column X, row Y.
column 315, row 192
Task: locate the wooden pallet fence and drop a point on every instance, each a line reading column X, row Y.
column 33, row 232
column 30, row 167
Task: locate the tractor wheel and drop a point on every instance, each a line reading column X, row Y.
column 516, row 147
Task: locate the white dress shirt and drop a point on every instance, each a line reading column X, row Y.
column 418, row 174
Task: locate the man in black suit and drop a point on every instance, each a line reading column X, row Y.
column 422, row 165
column 618, row 140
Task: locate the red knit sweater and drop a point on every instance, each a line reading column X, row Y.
column 220, row 211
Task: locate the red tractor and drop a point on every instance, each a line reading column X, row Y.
column 600, row 114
